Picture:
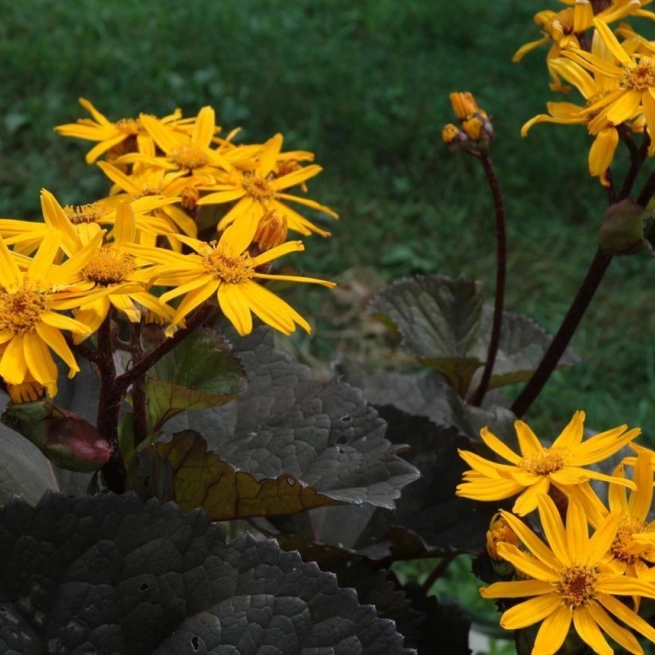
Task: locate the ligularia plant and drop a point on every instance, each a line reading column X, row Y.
column 173, row 481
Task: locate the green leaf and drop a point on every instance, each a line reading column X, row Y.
column 110, row 574
column 445, row 326
column 202, row 479
column 200, row 372
column 288, row 424
column 439, row 320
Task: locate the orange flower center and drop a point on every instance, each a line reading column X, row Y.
column 91, row 213
column 189, row 155
column 21, row 310
column 639, row 75
column 128, row 126
column 257, row 187
column 548, row 461
column 577, row 585
column 623, row 544
column 230, row 269
column 109, row 266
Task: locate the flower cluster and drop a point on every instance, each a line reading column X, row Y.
column 188, row 210
column 570, row 578
column 612, row 67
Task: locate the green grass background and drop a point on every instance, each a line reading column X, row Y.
column 365, row 86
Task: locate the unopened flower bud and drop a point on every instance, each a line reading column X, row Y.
column 271, row 231
column 499, row 532
column 622, row 228
column 63, row 437
column 477, row 130
column 463, row 104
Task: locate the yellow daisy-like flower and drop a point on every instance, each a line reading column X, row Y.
column 633, row 549
column 81, row 222
column 111, row 135
column 569, row 583
column 125, row 279
column 562, row 28
column 531, row 473
column 186, row 152
column 256, row 192
column 158, row 182
column 227, row 270
column 635, row 85
column 31, row 302
column 593, row 88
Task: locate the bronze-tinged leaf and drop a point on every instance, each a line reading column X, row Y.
column 202, row 479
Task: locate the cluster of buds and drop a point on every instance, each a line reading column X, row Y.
column 475, row 133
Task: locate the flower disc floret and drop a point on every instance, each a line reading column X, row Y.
column 109, row 266
column 623, row 541
column 21, row 309
column 577, row 585
column 550, row 460
column 189, row 155
column 227, row 268
column 639, row 75
column 93, row 212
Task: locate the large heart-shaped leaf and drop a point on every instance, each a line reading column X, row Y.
column 111, row 574
column 444, row 324
column 202, row 479
column 288, row 424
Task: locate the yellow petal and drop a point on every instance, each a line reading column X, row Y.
column 204, row 128
column 554, row 529
column 589, row 632
column 528, row 442
column 602, row 539
column 235, row 307
column 56, row 342
column 530, row 612
column 602, row 152
column 517, row 589
column 571, row 435
column 622, row 636
column 13, row 366
column 527, row 564
column 527, row 501
column 271, row 309
column 552, row 632
column 499, row 447
column 626, row 615
column 577, row 530
column 39, row 360
column 535, row 545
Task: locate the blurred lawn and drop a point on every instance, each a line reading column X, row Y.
column 365, row 86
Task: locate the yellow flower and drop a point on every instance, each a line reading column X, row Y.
column 158, row 182
column 82, row 222
column 635, row 85
column 186, row 152
column 593, row 88
column 570, row 584
column 31, row 302
column 259, row 190
column 229, row 271
column 499, row 532
column 112, row 267
column 563, row 28
column 531, row 473
column 633, row 549
column 111, row 135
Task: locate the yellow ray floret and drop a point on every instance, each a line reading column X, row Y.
column 225, row 269
column 569, row 583
column 531, row 473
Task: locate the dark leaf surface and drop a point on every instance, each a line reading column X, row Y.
column 202, row 479
column 444, row 324
column 111, row 574
column 429, row 520
column 286, row 423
